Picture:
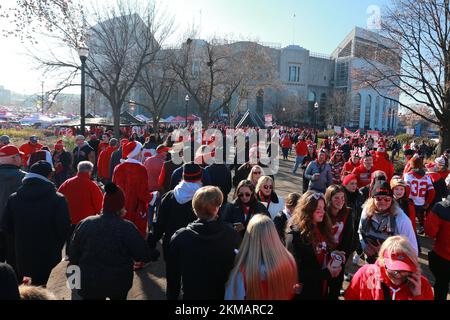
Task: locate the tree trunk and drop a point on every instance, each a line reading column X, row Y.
column 155, row 124
column 116, row 120
column 444, row 137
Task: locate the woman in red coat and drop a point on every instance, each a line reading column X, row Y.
column 396, row 275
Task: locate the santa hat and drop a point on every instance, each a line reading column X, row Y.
column 131, row 149
column 348, row 179
column 114, row 199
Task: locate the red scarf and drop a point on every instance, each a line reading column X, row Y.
column 264, row 198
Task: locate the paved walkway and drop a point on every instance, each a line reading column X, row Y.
column 150, row 283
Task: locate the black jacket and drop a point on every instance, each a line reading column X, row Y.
column 115, row 160
column 310, row 273
column 280, row 222
column 37, row 219
column 172, row 216
column 234, row 213
column 201, row 257
column 220, row 176
column 10, row 180
column 104, row 247
column 347, row 241
column 9, row 289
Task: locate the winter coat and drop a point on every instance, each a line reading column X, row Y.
column 437, row 226
column 63, row 166
column 28, row 149
column 165, row 176
column 201, row 244
column 343, row 232
column 105, row 248
column 325, row 179
column 301, row 149
column 348, row 168
column 81, row 154
column 280, row 222
column 220, row 177
column 440, row 188
column 153, row 166
column 10, row 180
column 37, row 219
column 9, row 289
column 234, row 213
column 83, row 195
column 368, row 283
column 103, row 163
column 363, row 176
column 115, row 161
column 381, row 163
column 274, row 206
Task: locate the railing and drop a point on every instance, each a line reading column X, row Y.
column 319, row 55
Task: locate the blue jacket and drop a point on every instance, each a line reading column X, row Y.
column 325, row 179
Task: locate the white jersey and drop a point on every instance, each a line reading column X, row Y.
column 419, row 187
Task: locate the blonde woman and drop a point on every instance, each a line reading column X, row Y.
column 265, row 193
column 263, row 269
column 255, row 173
column 396, row 275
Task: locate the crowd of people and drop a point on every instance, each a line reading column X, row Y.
column 109, row 203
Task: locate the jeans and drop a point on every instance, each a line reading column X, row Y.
column 298, row 162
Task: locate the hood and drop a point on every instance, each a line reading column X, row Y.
column 184, row 191
column 418, row 173
column 35, row 188
column 208, row 230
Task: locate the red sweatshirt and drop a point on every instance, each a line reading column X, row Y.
column 363, row 175
column 366, row 285
column 28, row 149
column 437, row 226
column 301, row 148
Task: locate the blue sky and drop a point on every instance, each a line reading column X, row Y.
column 319, row 25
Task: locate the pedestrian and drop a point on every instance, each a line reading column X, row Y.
column 62, row 161
column 165, row 175
column 264, row 269
column 437, row 227
column 104, row 159
column 301, row 150
column 286, row 145
column 116, row 156
column 10, row 180
column 342, row 229
column 104, row 144
column 243, row 207
column 337, row 164
column 310, row 240
column 282, row 217
column 28, row 148
column 220, row 177
column 207, row 244
column 265, row 193
column 382, row 218
column 255, row 173
column 382, row 162
column 396, row 275
column 408, row 156
column 9, row 289
column 401, row 191
column 175, row 211
column 318, row 173
column 82, row 152
column 364, row 171
column 42, row 154
column 311, row 156
column 83, row 196
column 104, row 247
column 94, row 144
column 37, row 219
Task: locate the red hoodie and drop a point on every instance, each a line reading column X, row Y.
column 366, row 285
column 301, row 148
column 348, row 168
column 381, row 163
column 437, row 226
column 363, row 175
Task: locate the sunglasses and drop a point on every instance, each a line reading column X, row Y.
column 317, row 195
column 257, row 172
column 268, row 187
column 241, row 195
column 399, row 274
column 385, row 199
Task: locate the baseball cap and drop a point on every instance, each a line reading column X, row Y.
column 399, row 262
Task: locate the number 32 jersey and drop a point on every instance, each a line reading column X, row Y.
column 420, row 185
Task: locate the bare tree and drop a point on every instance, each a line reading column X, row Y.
column 337, row 114
column 158, row 81
column 419, row 31
column 215, row 71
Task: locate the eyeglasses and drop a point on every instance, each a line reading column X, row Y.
column 268, row 187
column 241, row 195
column 385, row 199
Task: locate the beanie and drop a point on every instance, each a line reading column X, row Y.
column 395, row 182
column 114, row 199
column 42, row 168
column 192, row 172
column 348, row 179
column 381, row 188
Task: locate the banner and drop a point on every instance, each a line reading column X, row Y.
column 337, row 129
column 268, row 120
column 374, row 134
column 352, row 134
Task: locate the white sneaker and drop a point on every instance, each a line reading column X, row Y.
column 356, row 258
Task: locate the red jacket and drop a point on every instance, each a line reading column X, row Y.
column 84, row 197
column 348, row 168
column 363, row 175
column 153, row 166
column 366, row 285
column 103, row 161
column 437, row 226
column 286, row 142
column 301, row 148
column 381, row 163
column 102, row 146
column 131, row 177
column 28, row 149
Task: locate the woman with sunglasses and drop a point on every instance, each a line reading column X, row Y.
column 263, row 269
column 310, row 240
column 382, row 218
column 255, row 173
column 396, row 275
column 244, row 206
column 342, row 229
column 265, row 193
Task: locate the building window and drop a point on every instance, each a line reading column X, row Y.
column 294, row 73
column 356, row 110
column 377, row 112
column 342, row 74
column 367, row 112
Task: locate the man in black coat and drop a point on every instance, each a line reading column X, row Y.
column 116, row 156
column 220, row 176
column 37, row 219
column 105, row 247
column 10, row 180
column 201, row 255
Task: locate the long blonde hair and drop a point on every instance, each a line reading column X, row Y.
column 250, row 175
column 261, row 181
column 262, row 246
column 370, row 207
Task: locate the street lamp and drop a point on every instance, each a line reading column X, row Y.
column 83, row 52
column 316, row 109
column 186, row 99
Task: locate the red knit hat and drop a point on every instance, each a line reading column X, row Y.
column 114, row 199
column 348, row 179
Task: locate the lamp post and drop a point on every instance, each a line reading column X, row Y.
column 186, row 99
column 316, row 109
column 83, row 52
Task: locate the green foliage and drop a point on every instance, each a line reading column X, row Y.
column 325, row 134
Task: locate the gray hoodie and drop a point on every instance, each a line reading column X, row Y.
column 325, row 179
